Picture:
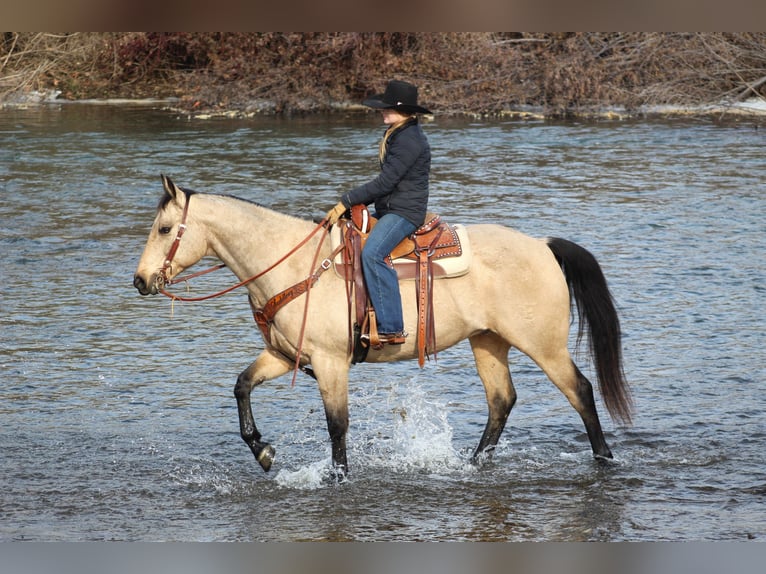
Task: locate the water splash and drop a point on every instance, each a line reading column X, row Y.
column 421, row 433
column 310, row 477
column 408, row 428
column 397, row 427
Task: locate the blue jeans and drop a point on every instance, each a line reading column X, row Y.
column 382, row 282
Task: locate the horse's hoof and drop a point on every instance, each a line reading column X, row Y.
column 338, row 474
column 265, row 457
column 604, row 454
column 604, row 461
column 483, row 457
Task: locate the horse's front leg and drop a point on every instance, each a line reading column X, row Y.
column 332, row 377
column 268, row 365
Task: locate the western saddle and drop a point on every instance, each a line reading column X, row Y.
column 413, row 258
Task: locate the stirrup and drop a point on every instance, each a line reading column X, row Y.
column 387, row 338
column 393, row 338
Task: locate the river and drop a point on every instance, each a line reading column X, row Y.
column 117, row 418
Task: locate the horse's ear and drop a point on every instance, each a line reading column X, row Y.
column 173, row 191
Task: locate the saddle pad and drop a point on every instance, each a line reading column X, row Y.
column 407, row 269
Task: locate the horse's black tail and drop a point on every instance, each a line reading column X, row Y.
column 595, row 307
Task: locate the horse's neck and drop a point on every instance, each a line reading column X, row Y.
column 250, row 238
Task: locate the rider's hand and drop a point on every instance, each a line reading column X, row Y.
column 334, row 214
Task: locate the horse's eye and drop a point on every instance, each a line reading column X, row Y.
column 164, row 230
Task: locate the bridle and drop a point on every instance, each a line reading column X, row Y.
column 167, row 265
column 164, row 280
column 264, row 316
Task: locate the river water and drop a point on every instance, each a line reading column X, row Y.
column 118, row 422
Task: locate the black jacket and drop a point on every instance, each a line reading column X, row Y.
column 402, row 185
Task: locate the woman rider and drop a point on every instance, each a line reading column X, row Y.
column 400, row 194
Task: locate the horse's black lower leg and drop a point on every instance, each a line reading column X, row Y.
column 332, row 378
column 499, row 409
column 337, row 426
column 491, row 354
column 263, row 451
column 590, row 417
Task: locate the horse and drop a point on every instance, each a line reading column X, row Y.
column 520, row 292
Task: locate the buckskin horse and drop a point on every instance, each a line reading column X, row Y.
column 519, row 292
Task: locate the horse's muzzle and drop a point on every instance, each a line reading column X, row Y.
column 143, row 287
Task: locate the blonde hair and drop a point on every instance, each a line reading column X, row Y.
column 389, row 131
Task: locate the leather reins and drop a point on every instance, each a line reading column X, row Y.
column 174, row 248
column 264, row 317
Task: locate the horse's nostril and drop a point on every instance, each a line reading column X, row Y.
column 139, row 283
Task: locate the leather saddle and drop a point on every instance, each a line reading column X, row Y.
column 435, row 250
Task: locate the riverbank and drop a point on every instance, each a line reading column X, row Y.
column 753, row 109
column 554, row 75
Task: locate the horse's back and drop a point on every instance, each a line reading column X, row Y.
column 514, row 275
column 501, row 247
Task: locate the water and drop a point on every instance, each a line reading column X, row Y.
column 117, row 418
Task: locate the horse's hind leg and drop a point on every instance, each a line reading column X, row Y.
column 267, row 366
column 579, row 391
column 589, row 416
column 491, row 354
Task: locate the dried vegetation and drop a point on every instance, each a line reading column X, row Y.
column 488, row 73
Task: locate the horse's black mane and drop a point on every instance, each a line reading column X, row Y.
column 165, row 199
column 240, row 199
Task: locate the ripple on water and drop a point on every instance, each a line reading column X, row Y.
column 118, row 415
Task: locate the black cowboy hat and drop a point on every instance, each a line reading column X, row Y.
column 400, row 96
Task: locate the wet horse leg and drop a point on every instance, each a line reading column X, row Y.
column 332, row 378
column 267, row 366
column 491, row 355
column 579, row 391
column 589, row 416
